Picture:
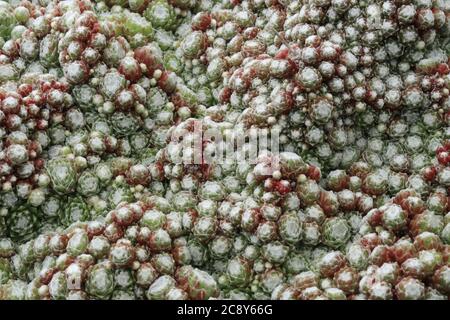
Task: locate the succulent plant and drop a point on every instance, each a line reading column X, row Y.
column 99, row 200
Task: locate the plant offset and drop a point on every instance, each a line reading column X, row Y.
column 94, row 203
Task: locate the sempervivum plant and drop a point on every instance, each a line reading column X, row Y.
column 98, row 200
